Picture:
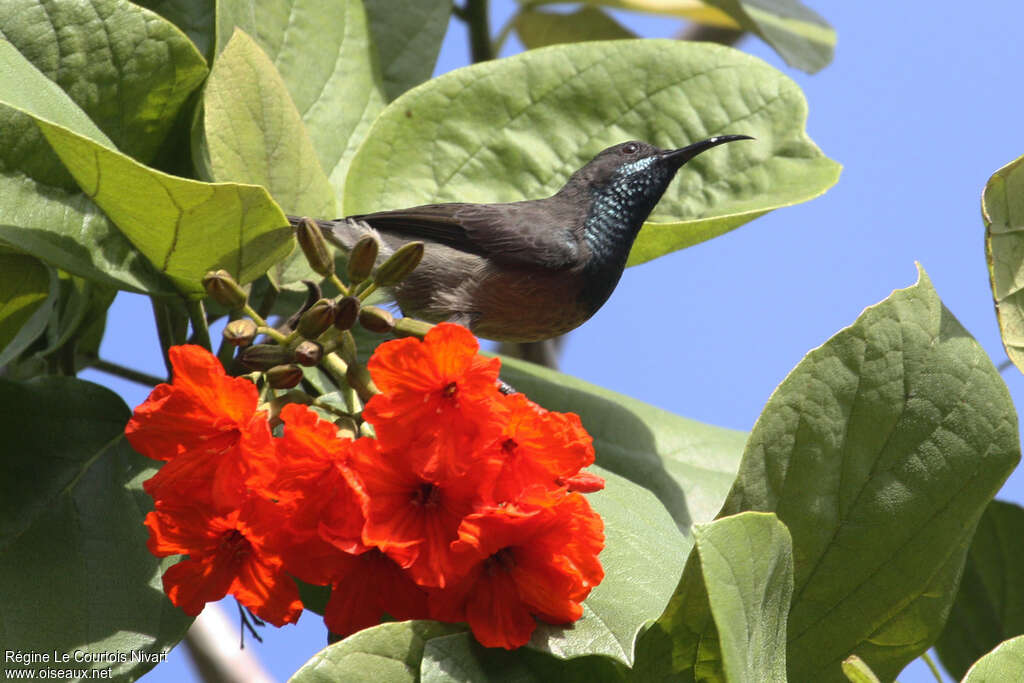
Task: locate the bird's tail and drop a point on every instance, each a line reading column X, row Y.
column 345, row 232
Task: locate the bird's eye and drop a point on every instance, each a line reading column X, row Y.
column 630, row 148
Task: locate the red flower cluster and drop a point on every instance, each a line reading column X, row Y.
column 466, row 506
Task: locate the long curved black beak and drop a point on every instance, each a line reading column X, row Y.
column 680, row 156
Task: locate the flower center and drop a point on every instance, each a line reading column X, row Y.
column 502, row 561
column 426, row 495
column 509, row 446
column 234, row 544
column 450, row 390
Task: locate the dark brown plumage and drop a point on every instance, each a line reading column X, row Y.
column 529, row 270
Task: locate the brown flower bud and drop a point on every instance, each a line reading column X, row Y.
column 345, row 312
column 314, row 247
column 399, row 265
column 361, row 259
column 284, row 376
column 265, row 356
column 240, row 332
column 308, row 353
column 317, row 319
column 223, row 289
column 376, row 319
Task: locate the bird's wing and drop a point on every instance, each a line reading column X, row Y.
column 521, row 233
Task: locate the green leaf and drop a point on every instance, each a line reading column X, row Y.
column 688, row 465
column 1004, row 663
column 45, row 214
column 194, row 17
column 537, row 28
column 879, row 452
column 323, row 52
column 1002, row 209
column 747, row 565
column 48, row 460
column 80, row 578
column 458, row 657
column 727, row 618
column 24, row 284
column 128, row 69
column 797, row 33
column 643, row 559
column 250, row 132
column 389, row 652
column 408, row 38
column 989, row 607
column 517, row 128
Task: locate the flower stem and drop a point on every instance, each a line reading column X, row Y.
column 475, row 16
column 200, row 328
column 931, row 665
column 123, row 372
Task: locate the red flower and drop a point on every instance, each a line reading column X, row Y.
column 439, row 396
column 224, row 556
column 366, row 587
column 320, row 497
column 539, row 447
column 412, row 517
column 528, row 561
column 206, row 425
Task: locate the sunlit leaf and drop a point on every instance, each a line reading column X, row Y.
column 517, row 128
column 1002, row 208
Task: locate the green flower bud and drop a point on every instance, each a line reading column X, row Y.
column 314, row 247
column 347, row 428
column 399, row 265
column 376, row 319
column 223, row 289
column 361, row 259
column 345, row 312
column 317, row 319
column 240, row 332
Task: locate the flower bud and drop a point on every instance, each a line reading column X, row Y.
column 308, row 353
column 223, row 289
column 361, row 259
column 284, row 376
column 345, row 312
column 240, row 332
column 317, row 319
column 314, row 247
column 376, row 319
column 399, row 265
column 265, row 356
column 347, row 428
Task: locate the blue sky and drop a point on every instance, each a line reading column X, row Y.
column 921, row 105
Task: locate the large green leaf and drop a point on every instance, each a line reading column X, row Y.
column 184, row 227
column 879, row 452
column 797, row 33
column 1002, row 209
column 408, row 37
column 45, row 213
column 517, row 128
column 727, row 619
column 47, row 460
column 251, row 132
column 989, row 606
column 747, row 565
column 24, row 284
column 322, row 50
column 688, row 465
column 1003, row 663
column 389, row 652
column 128, row 69
column 537, row 28
column 80, row 578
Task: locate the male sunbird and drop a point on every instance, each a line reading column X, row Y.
column 527, row 270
